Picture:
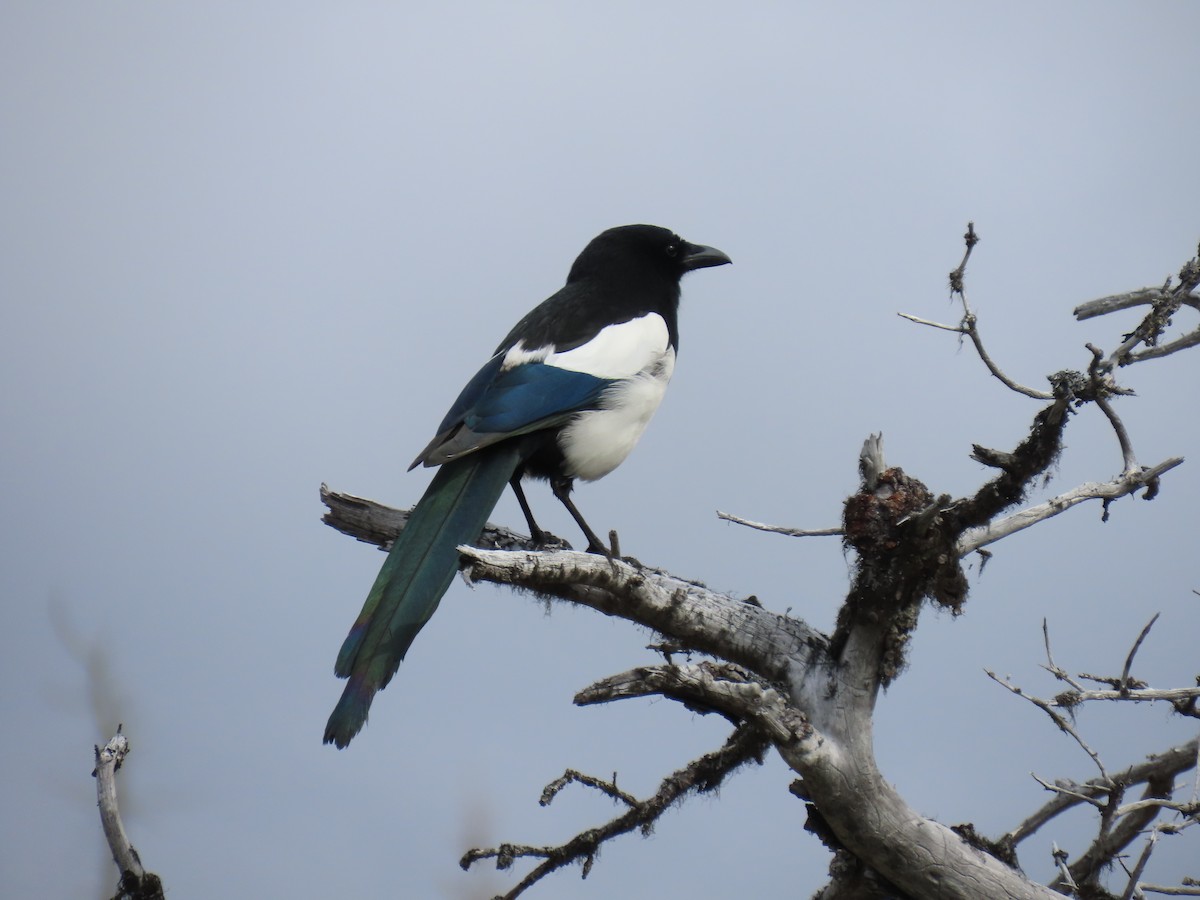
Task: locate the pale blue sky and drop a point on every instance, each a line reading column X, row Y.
column 249, row 247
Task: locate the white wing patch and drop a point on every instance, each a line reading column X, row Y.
column 519, row 356
column 617, row 351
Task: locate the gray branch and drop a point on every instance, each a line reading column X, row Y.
column 136, row 882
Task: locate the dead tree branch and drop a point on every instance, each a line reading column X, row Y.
column 700, row 776
column 136, row 883
column 1120, row 823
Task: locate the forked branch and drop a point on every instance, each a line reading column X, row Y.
column 746, row 744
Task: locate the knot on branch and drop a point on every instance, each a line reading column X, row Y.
column 1069, row 384
column 872, row 518
column 1151, row 329
column 905, row 554
column 147, row 886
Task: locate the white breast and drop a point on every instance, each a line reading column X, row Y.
column 597, row 441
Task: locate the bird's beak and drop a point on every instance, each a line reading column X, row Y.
column 697, row 256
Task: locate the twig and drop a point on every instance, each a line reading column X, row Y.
column 1051, row 666
column 779, row 529
column 1134, row 649
column 1075, row 793
column 1047, row 707
column 969, row 325
column 1164, row 765
column 1060, row 859
column 1136, row 875
column 701, row 775
column 970, row 239
column 1127, row 455
column 573, row 776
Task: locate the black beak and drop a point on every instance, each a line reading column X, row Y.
column 697, row 256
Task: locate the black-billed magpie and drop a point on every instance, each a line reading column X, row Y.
column 566, row 395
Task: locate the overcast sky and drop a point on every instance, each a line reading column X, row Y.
column 247, row 248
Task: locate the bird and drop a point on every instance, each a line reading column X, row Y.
column 565, row 396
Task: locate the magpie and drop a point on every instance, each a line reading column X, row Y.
column 565, row 396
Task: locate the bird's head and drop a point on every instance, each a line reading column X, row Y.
column 643, row 249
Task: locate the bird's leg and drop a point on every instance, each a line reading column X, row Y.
column 561, row 486
column 538, row 536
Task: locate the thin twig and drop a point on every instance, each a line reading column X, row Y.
column 1136, row 875
column 1060, row 859
column 779, row 529
column 1047, row 707
column 1051, row 666
column 1134, row 649
column 1074, row 793
column 957, row 329
column 1127, row 456
column 703, row 774
column 970, row 239
column 574, row 776
column 970, row 325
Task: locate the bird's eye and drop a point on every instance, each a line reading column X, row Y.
column 672, row 250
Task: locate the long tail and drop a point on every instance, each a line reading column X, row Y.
column 417, row 572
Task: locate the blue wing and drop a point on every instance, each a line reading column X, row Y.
column 499, row 403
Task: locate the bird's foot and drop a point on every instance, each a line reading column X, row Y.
column 544, row 540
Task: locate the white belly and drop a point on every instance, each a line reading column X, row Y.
column 598, row 441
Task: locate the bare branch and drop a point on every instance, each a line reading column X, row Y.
column 1140, row 867
column 1166, row 765
column 1173, row 891
column 779, row 529
column 969, row 325
column 710, row 686
column 571, row 776
column 1047, row 707
column 1060, row 858
column 742, row 632
column 1128, row 483
column 705, row 774
column 957, row 329
column 1117, row 302
column 1164, row 302
column 1127, row 455
column 1137, row 695
column 373, row 523
column 136, row 882
column 1051, row 666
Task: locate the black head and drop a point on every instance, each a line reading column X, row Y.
column 647, row 250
